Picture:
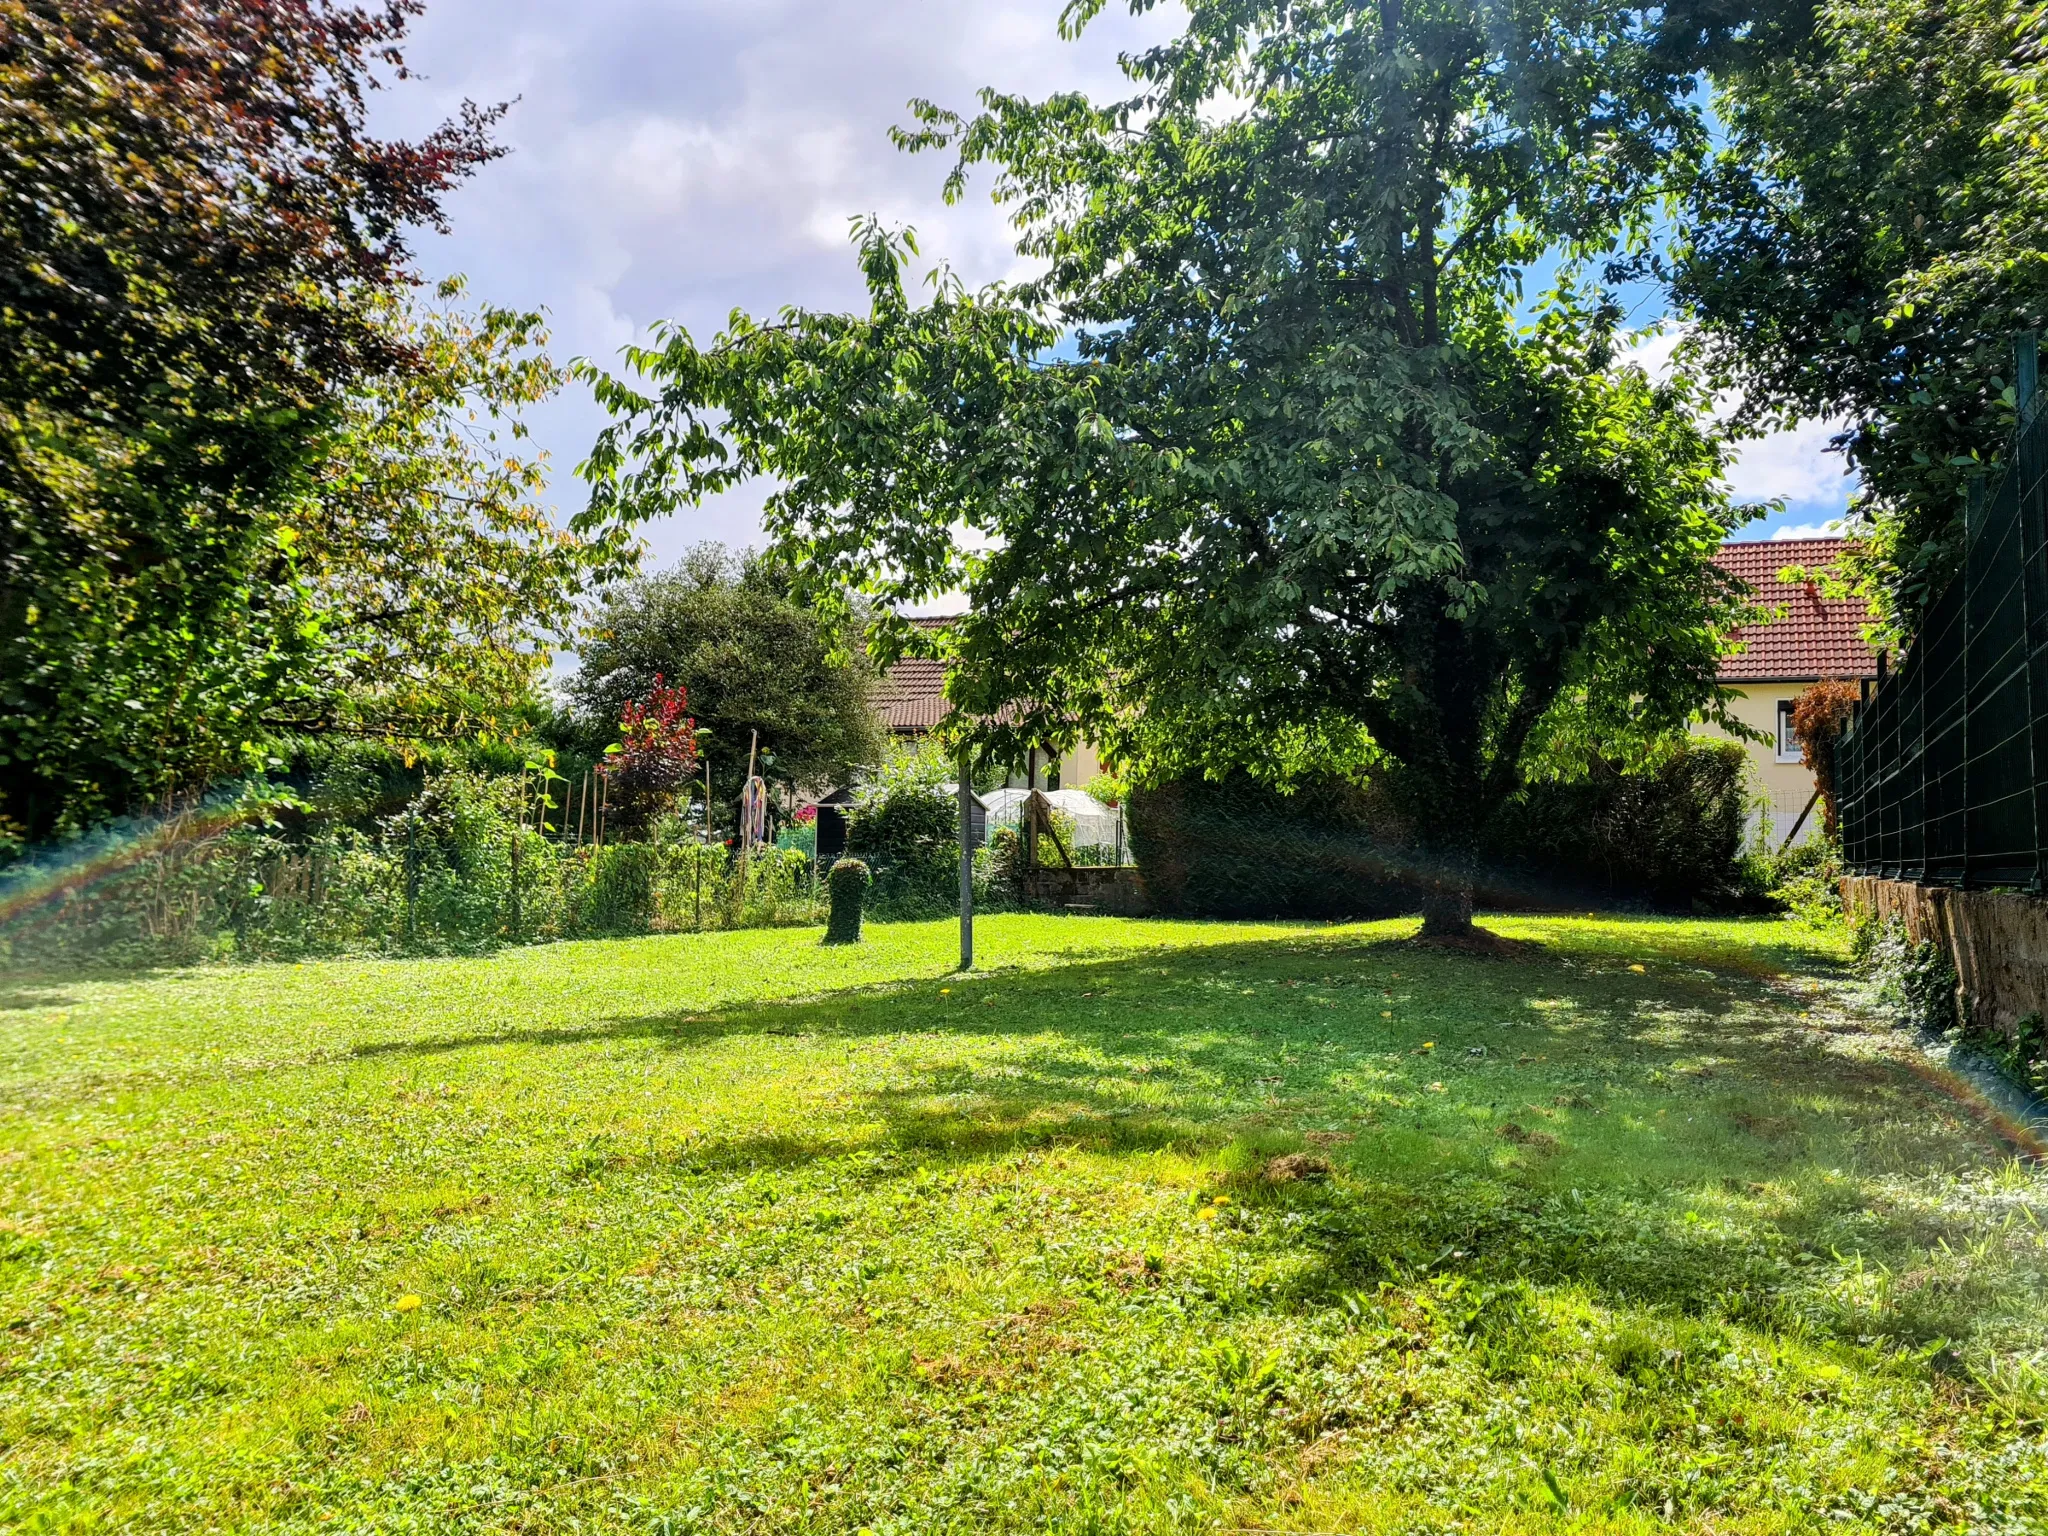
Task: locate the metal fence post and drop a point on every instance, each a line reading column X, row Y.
column 2033, row 515
column 1973, row 521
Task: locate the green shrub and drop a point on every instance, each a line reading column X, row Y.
column 615, row 897
column 453, row 872
column 849, row 884
column 1805, row 880
column 1913, row 977
column 905, row 827
column 1669, row 833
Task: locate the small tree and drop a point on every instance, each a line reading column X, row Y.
column 1818, row 720
column 655, row 757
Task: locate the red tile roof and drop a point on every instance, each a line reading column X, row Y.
column 1810, row 636
column 911, row 695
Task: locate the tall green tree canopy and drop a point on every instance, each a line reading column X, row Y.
column 1306, row 473
column 725, row 628
column 1867, row 243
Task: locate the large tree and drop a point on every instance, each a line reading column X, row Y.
column 757, row 666
column 1867, row 243
column 437, row 575
column 196, row 232
column 1311, row 463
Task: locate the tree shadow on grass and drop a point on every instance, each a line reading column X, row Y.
column 1673, row 1137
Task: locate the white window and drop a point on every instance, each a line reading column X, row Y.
column 1788, row 743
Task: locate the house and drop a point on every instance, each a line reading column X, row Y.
column 911, row 699
column 1808, row 637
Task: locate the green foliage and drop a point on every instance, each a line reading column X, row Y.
column 438, row 580
column 848, row 885
column 725, row 629
column 1866, row 246
column 1669, row 831
column 1913, row 977
column 1110, row 789
column 2020, row 1052
column 906, row 825
column 1299, row 365
column 196, row 237
column 1233, row 847
column 459, row 868
column 1806, row 879
column 816, row 1239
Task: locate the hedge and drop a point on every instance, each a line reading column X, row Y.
column 1669, row 836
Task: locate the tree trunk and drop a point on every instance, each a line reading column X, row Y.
column 1447, row 912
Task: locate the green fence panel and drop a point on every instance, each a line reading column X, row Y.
column 1943, row 773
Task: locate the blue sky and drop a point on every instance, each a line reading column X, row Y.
column 677, row 159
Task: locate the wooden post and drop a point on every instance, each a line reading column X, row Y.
column 966, row 861
column 517, row 837
column 412, row 871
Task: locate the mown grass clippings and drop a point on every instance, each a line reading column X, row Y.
column 1150, row 1227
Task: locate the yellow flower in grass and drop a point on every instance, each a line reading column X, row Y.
column 409, row 1303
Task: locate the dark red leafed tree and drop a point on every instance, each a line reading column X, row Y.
column 655, row 757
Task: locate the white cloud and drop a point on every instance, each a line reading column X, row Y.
column 677, row 159
column 1796, row 465
column 1832, row 529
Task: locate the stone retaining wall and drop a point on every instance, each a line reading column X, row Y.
column 1997, row 941
column 1103, row 888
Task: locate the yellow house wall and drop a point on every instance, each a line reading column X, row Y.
column 1077, row 769
column 1788, row 785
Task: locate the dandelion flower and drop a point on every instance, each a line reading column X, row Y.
column 409, row 1303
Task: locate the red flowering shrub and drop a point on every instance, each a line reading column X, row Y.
column 655, row 757
column 1819, row 718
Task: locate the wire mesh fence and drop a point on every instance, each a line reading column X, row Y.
column 1942, row 776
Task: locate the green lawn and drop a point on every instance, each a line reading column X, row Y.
column 1147, row 1227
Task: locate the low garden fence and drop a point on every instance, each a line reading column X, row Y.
column 1942, row 775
